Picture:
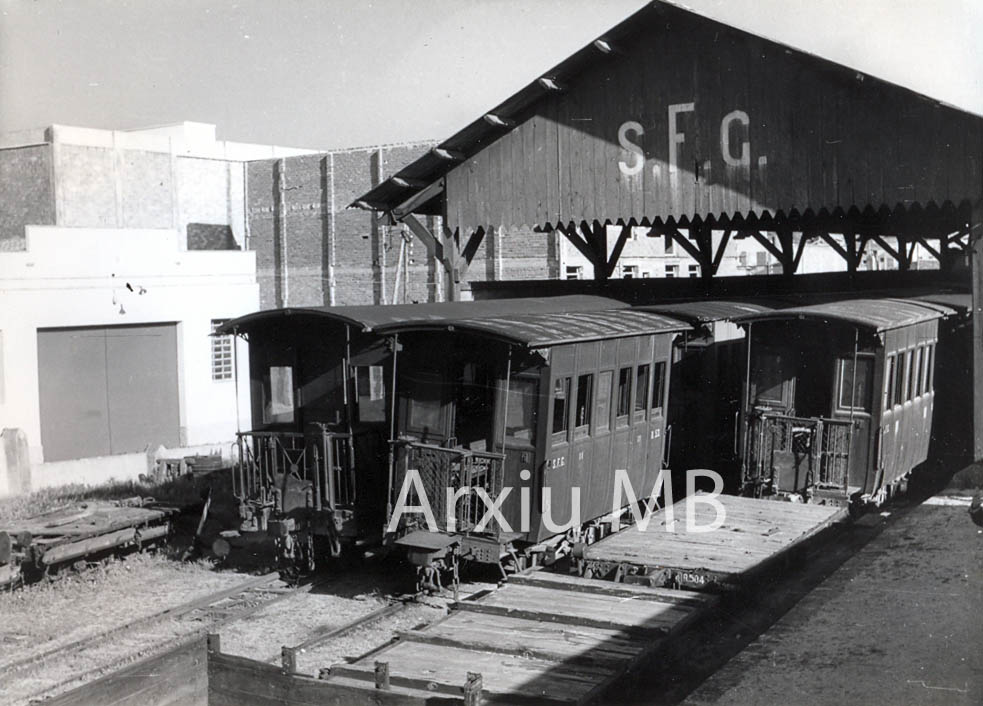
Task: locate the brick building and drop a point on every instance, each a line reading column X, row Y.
column 311, row 250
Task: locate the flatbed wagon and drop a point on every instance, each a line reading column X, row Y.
column 755, row 535
column 539, row 639
column 32, row 546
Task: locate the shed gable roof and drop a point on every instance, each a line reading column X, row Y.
column 813, row 147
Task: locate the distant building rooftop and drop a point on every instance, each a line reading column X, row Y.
column 187, row 138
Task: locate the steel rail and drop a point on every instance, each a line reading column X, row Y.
column 174, row 612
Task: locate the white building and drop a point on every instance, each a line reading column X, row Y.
column 119, row 252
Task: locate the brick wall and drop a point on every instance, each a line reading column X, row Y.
column 335, row 255
column 297, row 217
column 25, row 193
column 515, row 253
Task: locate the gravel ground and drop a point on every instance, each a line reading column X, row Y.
column 46, row 615
column 288, row 622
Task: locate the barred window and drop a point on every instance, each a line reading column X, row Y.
column 221, row 353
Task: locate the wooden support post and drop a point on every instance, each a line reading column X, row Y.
column 439, row 249
column 280, row 269
column 584, row 247
column 596, row 236
column 976, row 242
column 453, row 260
column 903, row 258
column 472, row 689
column 721, row 249
column 703, row 234
column 787, row 245
column 382, row 675
column 803, row 239
column 850, row 239
column 619, row 247
column 288, row 660
column 214, row 642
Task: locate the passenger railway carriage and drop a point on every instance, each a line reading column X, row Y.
column 549, row 405
column 313, row 466
column 840, row 398
column 828, row 402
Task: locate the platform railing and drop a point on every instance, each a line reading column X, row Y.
column 321, row 456
column 441, row 468
column 332, row 460
column 821, row 443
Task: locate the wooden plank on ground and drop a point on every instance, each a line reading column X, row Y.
column 754, row 532
column 446, row 668
column 576, row 608
column 558, row 642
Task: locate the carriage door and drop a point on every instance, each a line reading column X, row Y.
column 769, row 441
column 845, row 454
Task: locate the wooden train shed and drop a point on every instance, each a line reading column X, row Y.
column 703, row 134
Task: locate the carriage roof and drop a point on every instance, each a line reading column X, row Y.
column 707, row 311
column 874, row 315
column 373, row 317
column 553, row 329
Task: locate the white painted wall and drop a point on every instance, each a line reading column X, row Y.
column 78, row 276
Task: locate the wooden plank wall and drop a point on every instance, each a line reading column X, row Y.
column 237, row 681
column 176, row 678
column 817, row 135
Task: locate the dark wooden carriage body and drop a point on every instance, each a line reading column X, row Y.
column 314, row 462
column 586, row 396
column 839, row 398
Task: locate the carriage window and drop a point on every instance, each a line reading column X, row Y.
column 910, row 385
column 921, row 370
column 279, row 406
column 769, row 378
column 899, row 379
column 520, row 421
column 659, row 385
column 371, row 393
column 425, row 402
column 641, row 387
column 603, row 418
column 929, row 369
column 624, row 392
column 585, row 390
column 855, row 390
column 889, row 383
column 561, row 396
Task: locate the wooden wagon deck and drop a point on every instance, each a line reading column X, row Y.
column 756, row 533
column 69, row 533
column 539, row 639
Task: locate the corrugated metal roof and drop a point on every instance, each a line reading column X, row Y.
column 872, row 314
column 704, row 311
column 371, row 317
column 543, row 330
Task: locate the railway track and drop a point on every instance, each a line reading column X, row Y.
column 208, row 612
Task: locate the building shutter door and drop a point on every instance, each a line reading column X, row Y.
column 72, row 391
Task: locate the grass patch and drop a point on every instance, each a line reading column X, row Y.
column 182, row 491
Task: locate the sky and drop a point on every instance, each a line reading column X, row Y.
column 327, row 74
